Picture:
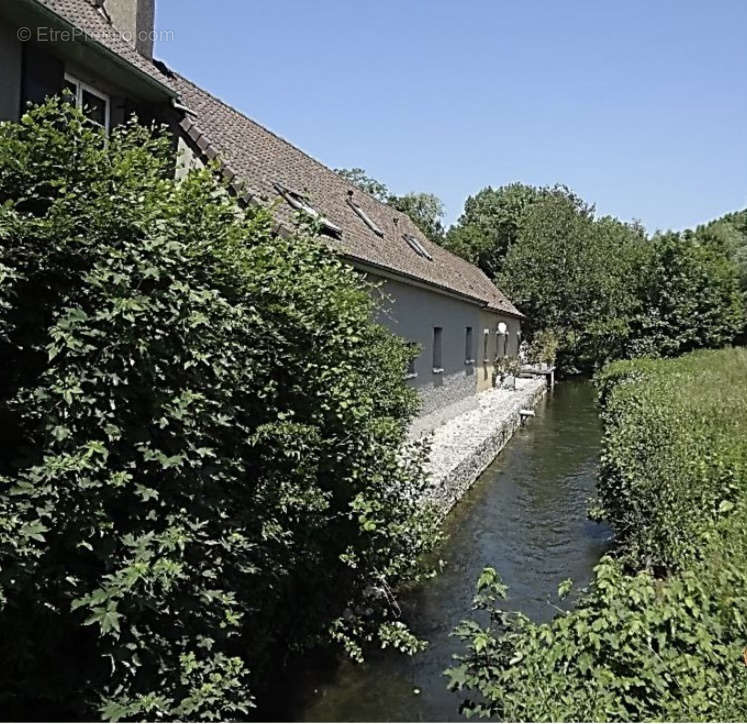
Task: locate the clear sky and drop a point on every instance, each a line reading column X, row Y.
column 639, row 106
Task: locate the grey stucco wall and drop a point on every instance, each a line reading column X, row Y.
column 10, row 72
column 412, row 313
column 509, row 345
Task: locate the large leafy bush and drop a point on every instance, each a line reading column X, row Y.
column 662, row 631
column 202, row 467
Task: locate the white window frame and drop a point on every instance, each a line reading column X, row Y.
column 82, row 86
column 300, row 203
column 367, row 220
column 416, row 246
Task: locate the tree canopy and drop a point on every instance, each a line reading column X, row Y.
column 484, row 233
column 602, row 286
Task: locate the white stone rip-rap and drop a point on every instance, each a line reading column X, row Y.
column 465, row 445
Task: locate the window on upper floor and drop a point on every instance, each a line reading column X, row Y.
column 300, row 202
column 417, row 246
column 95, row 105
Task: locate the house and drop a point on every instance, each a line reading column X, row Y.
column 102, row 50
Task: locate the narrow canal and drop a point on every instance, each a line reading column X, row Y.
column 526, row 517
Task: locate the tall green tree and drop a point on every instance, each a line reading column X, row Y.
column 577, row 276
column 729, row 233
column 426, row 211
column 490, row 224
column 690, row 297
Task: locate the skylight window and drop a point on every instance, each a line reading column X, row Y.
column 367, row 220
column 301, row 203
column 417, row 246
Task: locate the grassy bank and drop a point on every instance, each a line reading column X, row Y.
column 661, row 633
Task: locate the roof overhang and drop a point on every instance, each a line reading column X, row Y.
column 396, row 275
column 86, row 50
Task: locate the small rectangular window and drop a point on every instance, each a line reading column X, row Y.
column 468, row 358
column 437, row 358
column 301, row 202
column 92, row 103
column 411, row 371
column 485, row 341
column 367, row 220
column 417, row 246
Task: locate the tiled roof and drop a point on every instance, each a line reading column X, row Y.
column 85, row 17
column 257, row 159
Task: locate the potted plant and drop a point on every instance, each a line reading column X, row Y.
column 500, row 370
column 513, row 369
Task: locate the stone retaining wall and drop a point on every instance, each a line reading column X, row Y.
column 464, row 446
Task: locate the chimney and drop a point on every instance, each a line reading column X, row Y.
column 136, row 20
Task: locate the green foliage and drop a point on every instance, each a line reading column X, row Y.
column 544, row 347
column 202, row 466
column 358, row 177
column 659, row 489
column 640, row 645
column 577, row 276
column 729, row 233
column 490, row 224
column 607, row 290
column 425, row 210
column 690, row 295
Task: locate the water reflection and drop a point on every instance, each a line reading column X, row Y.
column 526, row 516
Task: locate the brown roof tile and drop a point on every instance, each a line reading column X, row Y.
column 259, row 159
column 85, row 17
column 255, row 159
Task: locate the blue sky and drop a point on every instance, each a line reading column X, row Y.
column 640, row 107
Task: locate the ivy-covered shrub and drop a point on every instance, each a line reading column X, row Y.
column 202, row 465
column 661, row 633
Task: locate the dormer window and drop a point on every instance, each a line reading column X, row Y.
column 301, row 203
column 92, row 103
column 364, row 217
column 417, row 246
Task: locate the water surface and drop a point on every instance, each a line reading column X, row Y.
column 526, row 517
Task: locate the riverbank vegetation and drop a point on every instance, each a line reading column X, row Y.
column 661, row 634
column 202, row 467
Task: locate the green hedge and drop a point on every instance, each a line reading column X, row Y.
column 674, row 451
column 660, row 634
column 201, row 470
